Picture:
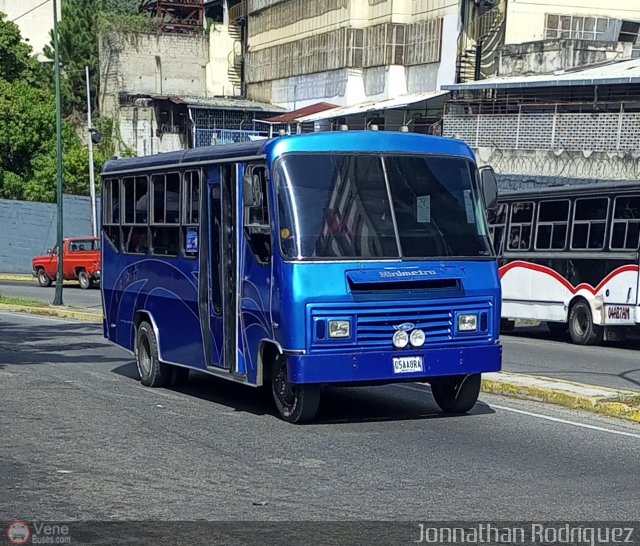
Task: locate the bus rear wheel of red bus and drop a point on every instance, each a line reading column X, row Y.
column 456, row 394
column 296, row 403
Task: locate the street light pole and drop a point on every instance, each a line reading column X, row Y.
column 92, row 176
column 59, row 281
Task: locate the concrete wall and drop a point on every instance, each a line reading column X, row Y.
column 139, row 131
column 548, row 56
column 29, row 229
column 526, row 19
column 35, row 20
column 160, row 64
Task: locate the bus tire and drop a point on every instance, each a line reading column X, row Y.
column 83, row 279
column 581, row 327
column 557, row 328
column 295, row 403
column 153, row 373
column 43, row 278
column 456, row 394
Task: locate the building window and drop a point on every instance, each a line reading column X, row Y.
column 553, row 225
column 589, row 223
column 520, row 226
column 625, row 231
column 576, row 27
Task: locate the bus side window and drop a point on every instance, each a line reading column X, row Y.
column 520, row 226
column 589, row 223
column 625, row 231
column 111, row 212
column 190, row 213
column 497, row 227
column 135, row 217
column 553, row 224
column 165, row 217
column 256, row 218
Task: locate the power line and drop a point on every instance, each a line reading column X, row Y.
column 28, row 12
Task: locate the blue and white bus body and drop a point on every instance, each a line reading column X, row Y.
column 282, row 308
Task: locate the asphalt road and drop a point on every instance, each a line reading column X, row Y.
column 72, row 294
column 80, row 438
column 535, row 351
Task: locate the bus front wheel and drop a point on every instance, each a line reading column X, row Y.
column 582, row 329
column 456, row 394
column 153, row 373
column 296, row 403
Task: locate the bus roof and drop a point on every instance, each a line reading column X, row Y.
column 570, row 190
column 343, row 141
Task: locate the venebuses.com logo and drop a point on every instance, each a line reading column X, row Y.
column 19, row 532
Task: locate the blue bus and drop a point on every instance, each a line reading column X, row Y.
column 338, row 258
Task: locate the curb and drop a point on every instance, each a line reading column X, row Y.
column 17, row 278
column 604, row 401
column 53, row 312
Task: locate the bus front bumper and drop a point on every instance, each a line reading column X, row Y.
column 363, row 367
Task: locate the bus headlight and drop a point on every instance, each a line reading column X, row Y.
column 467, row 323
column 417, row 338
column 339, row 328
column 400, row 339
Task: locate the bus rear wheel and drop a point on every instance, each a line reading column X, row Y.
column 456, row 394
column 296, row 403
column 581, row 327
column 153, row 373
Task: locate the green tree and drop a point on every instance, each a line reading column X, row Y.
column 78, row 37
column 27, row 129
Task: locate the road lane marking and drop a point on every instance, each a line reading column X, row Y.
column 566, row 421
column 545, row 417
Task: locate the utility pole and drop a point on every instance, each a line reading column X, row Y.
column 59, row 280
column 92, row 176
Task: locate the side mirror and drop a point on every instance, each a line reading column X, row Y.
column 489, row 186
column 251, row 190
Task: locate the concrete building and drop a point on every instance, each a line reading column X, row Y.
column 347, row 51
column 175, row 91
column 35, row 19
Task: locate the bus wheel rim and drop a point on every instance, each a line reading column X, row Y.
column 144, row 357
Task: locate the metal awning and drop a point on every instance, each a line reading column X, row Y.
column 374, row 106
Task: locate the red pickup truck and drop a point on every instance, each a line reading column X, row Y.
column 81, row 260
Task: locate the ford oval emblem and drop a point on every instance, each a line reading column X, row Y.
column 405, row 326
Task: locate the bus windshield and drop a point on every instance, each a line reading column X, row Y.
column 372, row 207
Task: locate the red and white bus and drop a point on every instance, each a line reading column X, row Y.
column 569, row 257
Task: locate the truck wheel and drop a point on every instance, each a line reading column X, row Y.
column 581, row 327
column 153, row 373
column 83, row 279
column 295, row 403
column 456, row 394
column 43, row 278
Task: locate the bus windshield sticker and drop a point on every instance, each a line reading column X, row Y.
column 424, row 209
column 468, row 207
column 192, row 240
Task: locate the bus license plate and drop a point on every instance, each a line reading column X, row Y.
column 407, row 364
